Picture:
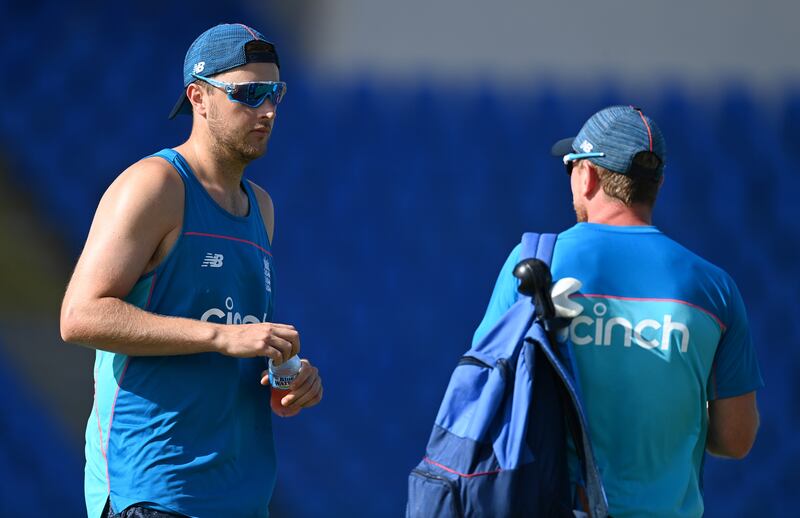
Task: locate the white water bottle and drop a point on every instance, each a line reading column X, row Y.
column 280, row 378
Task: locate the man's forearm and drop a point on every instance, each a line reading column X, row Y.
column 731, row 449
column 732, row 426
column 111, row 324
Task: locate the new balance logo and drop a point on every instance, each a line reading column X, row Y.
column 212, row 260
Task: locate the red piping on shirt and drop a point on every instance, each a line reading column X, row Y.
column 217, row 236
column 707, row 312
column 111, row 418
column 465, row 475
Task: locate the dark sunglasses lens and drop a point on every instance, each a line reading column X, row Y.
column 254, row 94
column 274, row 92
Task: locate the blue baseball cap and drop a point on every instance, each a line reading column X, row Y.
column 612, row 137
column 221, row 48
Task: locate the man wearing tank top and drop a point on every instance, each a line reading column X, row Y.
column 174, row 291
column 664, row 359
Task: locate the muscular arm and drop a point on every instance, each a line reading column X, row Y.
column 136, row 215
column 733, row 423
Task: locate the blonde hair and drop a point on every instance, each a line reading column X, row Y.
column 635, row 188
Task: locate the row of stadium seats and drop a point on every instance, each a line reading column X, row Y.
column 40, row 471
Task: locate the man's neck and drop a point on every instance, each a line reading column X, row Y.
column 211, row 164
column 219, row 174
column 620, row 215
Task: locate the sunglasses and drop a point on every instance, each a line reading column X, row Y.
column 250, row 94
column 570, row 159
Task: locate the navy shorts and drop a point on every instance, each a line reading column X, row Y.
column 137, row 511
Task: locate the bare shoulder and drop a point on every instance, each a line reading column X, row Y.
column 136, row 215
column 150, row 188
column 266, row 207
column 150, row 176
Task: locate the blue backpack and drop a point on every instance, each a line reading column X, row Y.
column 499, row 444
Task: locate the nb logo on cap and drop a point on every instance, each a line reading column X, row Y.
column 199, row 66
column 586, row 146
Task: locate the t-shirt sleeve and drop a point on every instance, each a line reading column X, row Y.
column 735, row 370
column 503, row 297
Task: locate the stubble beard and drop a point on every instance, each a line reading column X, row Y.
column 233, row 144
column 580, row 213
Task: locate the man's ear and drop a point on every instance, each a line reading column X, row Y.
column 591, row 180
column 199, row 99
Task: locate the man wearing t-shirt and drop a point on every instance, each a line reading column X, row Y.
column 662, row 347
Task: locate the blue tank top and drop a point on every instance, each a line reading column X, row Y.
column 190, row 434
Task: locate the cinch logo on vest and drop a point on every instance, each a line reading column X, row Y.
column 230, row 316
column 647, row 333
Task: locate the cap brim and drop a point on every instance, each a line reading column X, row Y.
column 563, row 147
column 182, row 106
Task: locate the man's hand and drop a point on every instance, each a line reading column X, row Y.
column 276, row 341
column 304, row 392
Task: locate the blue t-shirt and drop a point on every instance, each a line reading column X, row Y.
column 662, row 331
column 190, row 434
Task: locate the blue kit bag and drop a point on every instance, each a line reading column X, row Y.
column 499, row 444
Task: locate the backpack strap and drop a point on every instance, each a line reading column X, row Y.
column 538, row 246
column 541, row 246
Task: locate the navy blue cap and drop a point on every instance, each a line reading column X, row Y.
column 620, row 133
column 221, row 48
